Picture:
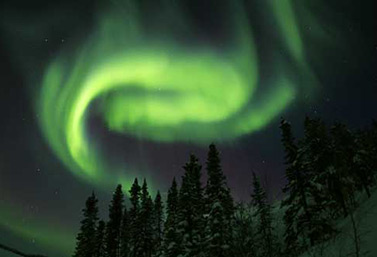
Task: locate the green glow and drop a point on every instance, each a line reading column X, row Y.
column 153, row 87
column 53, row 237
column 159, row 90
column 285, row 18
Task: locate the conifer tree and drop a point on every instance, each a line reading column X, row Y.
column 216, row 185
column 113, row 231
column 290, row 147
column 219, row 208
column 317, row 161
column 134, row 219
column 372, row 153
column 158, row 220
column 191, row 210
column 86, row 240
column 265, row 237
column 295, row 201
column 146, row 222
column 341, row 177
column 317, row 146
column 317, row 156
column 244, row 242
column 365, row 160
column 306, row 202
column 171, row 243
column 125, row 234
column 100, row 240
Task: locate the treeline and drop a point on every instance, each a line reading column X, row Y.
column 325, row 170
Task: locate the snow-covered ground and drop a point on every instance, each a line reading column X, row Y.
column 343, row 245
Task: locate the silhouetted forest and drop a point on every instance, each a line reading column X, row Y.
column 326, row 171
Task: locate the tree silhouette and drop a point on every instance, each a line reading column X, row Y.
column 324, row 170
column 134, row 219
column 86, row 241
column 113, row 232
column 100, row 239
column 171, row 243
column 125, row 234
column 294, row 189
column 264, row 232
column 146, row 222
column 158, row 220
column 219, row 208
column 191, row 208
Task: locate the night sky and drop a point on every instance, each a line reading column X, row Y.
column 95, row 93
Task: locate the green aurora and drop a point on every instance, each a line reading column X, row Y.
column 157, row 88
column 52, row 237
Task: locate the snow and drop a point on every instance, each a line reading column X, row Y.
column 343, row 245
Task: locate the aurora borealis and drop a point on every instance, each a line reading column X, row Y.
column 159, row 77
column 160, row 91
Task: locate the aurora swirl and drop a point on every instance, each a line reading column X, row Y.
column 162, row 82
column 160, row 90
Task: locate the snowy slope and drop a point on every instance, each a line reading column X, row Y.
column 343, row 246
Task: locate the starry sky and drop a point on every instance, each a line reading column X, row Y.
column 95, row 93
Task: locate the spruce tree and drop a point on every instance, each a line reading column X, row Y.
column 292, row 176
column 191, row 210
column 265, row 237
column 290, row 147
column 317, row 156
column 125, row 234
column 244, row 235
column 219, row 208
column 306, row 203
column 171, row 243
column 309, row 174
column 317, row 163
column 100, row 240
column 113, row 231
column 372, row 153
column 134, row 219
column 295, row 201
column 158, row 220
column 317, row 146
column 86, row 239
column 365, row 160
column 146, row 222
column 343, row 174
